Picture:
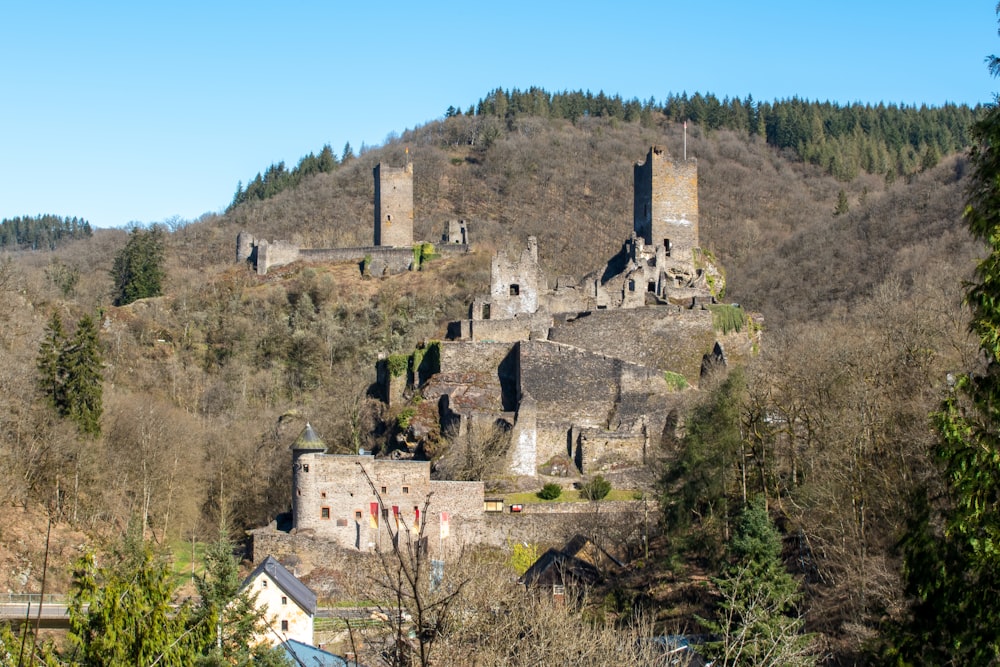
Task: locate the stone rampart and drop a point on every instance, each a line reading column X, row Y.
column 275, row 253
column 608, row 451
column 579, row 386
column 660, row 337
column 546, row 525
column 554, row 524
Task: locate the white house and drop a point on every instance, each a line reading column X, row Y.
column 289, row 605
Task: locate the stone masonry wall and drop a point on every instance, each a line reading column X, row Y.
column 660, row 337
column 547, row 525
column 276, row 253
column 393, row 205
column 666, row 203
column 578, row 385
column 334, row 501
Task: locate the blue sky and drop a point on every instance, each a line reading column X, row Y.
column 119, row 112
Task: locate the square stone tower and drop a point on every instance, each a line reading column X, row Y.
column 666, row 204
column 393, row 205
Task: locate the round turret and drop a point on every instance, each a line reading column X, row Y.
column 304, row 450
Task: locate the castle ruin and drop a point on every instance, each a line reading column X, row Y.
column 591, row 370
column 392, row 251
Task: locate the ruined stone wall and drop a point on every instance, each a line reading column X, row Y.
column 455, row 233
column 393, row 205
column 515, row 284
column 658, row 336
column 245, row 244
column 552, row 525
column 578, row 385
column 605, row 452
column 666, row 203
column 521, row 327
column 275, row 253
column 470, row 356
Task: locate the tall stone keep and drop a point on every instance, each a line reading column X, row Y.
column 666, row 204
column 393, row 205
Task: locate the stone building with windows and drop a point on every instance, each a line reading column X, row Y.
column 362, row 503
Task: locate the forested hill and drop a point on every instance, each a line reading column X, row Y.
column 843, row 139
column 786, row 187
column 41, row 232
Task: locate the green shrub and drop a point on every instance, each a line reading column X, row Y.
column 550, row 491
column 405, row 417
column 397, row 364
column 727, row 317
column 596, row 489
column 675, row 381
column 522, row 555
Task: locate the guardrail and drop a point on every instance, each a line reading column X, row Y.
column 32, row 598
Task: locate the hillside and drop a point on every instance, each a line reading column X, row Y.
column 861, row 314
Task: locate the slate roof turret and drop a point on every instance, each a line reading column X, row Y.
column 308, row 441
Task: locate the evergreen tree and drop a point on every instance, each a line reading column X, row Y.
column 842, row 206
column 51, row 374
column 951, row 549
column 137, row 271
column 128, row 619
column 757, row 622
column 81, row 362
column 229, row 618
column 69, row 373
column 327, row 160
column 347, row 154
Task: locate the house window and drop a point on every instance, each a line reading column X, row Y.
column 263, row 583
column 383, row 489
column 385, row 513
column 631, row 286
column 284, row 599
column 666, row 246
column 651, row 287
column 324, row 512
column 357, row 515
column 322, row 494
column 515, row 289
column 486, row 311
column 284, row 626
column 406, row 489
column 305, row 467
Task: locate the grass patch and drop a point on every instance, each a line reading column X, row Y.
column 727, row 317
column 567, row 496
column 675, row 381
column 180, row 558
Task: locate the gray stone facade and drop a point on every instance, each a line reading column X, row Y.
column 393, row 205
column 359, row 502
column 580, row 369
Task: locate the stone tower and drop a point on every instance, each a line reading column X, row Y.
column 393, row 205
column 303, row 479
column 666, row 204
